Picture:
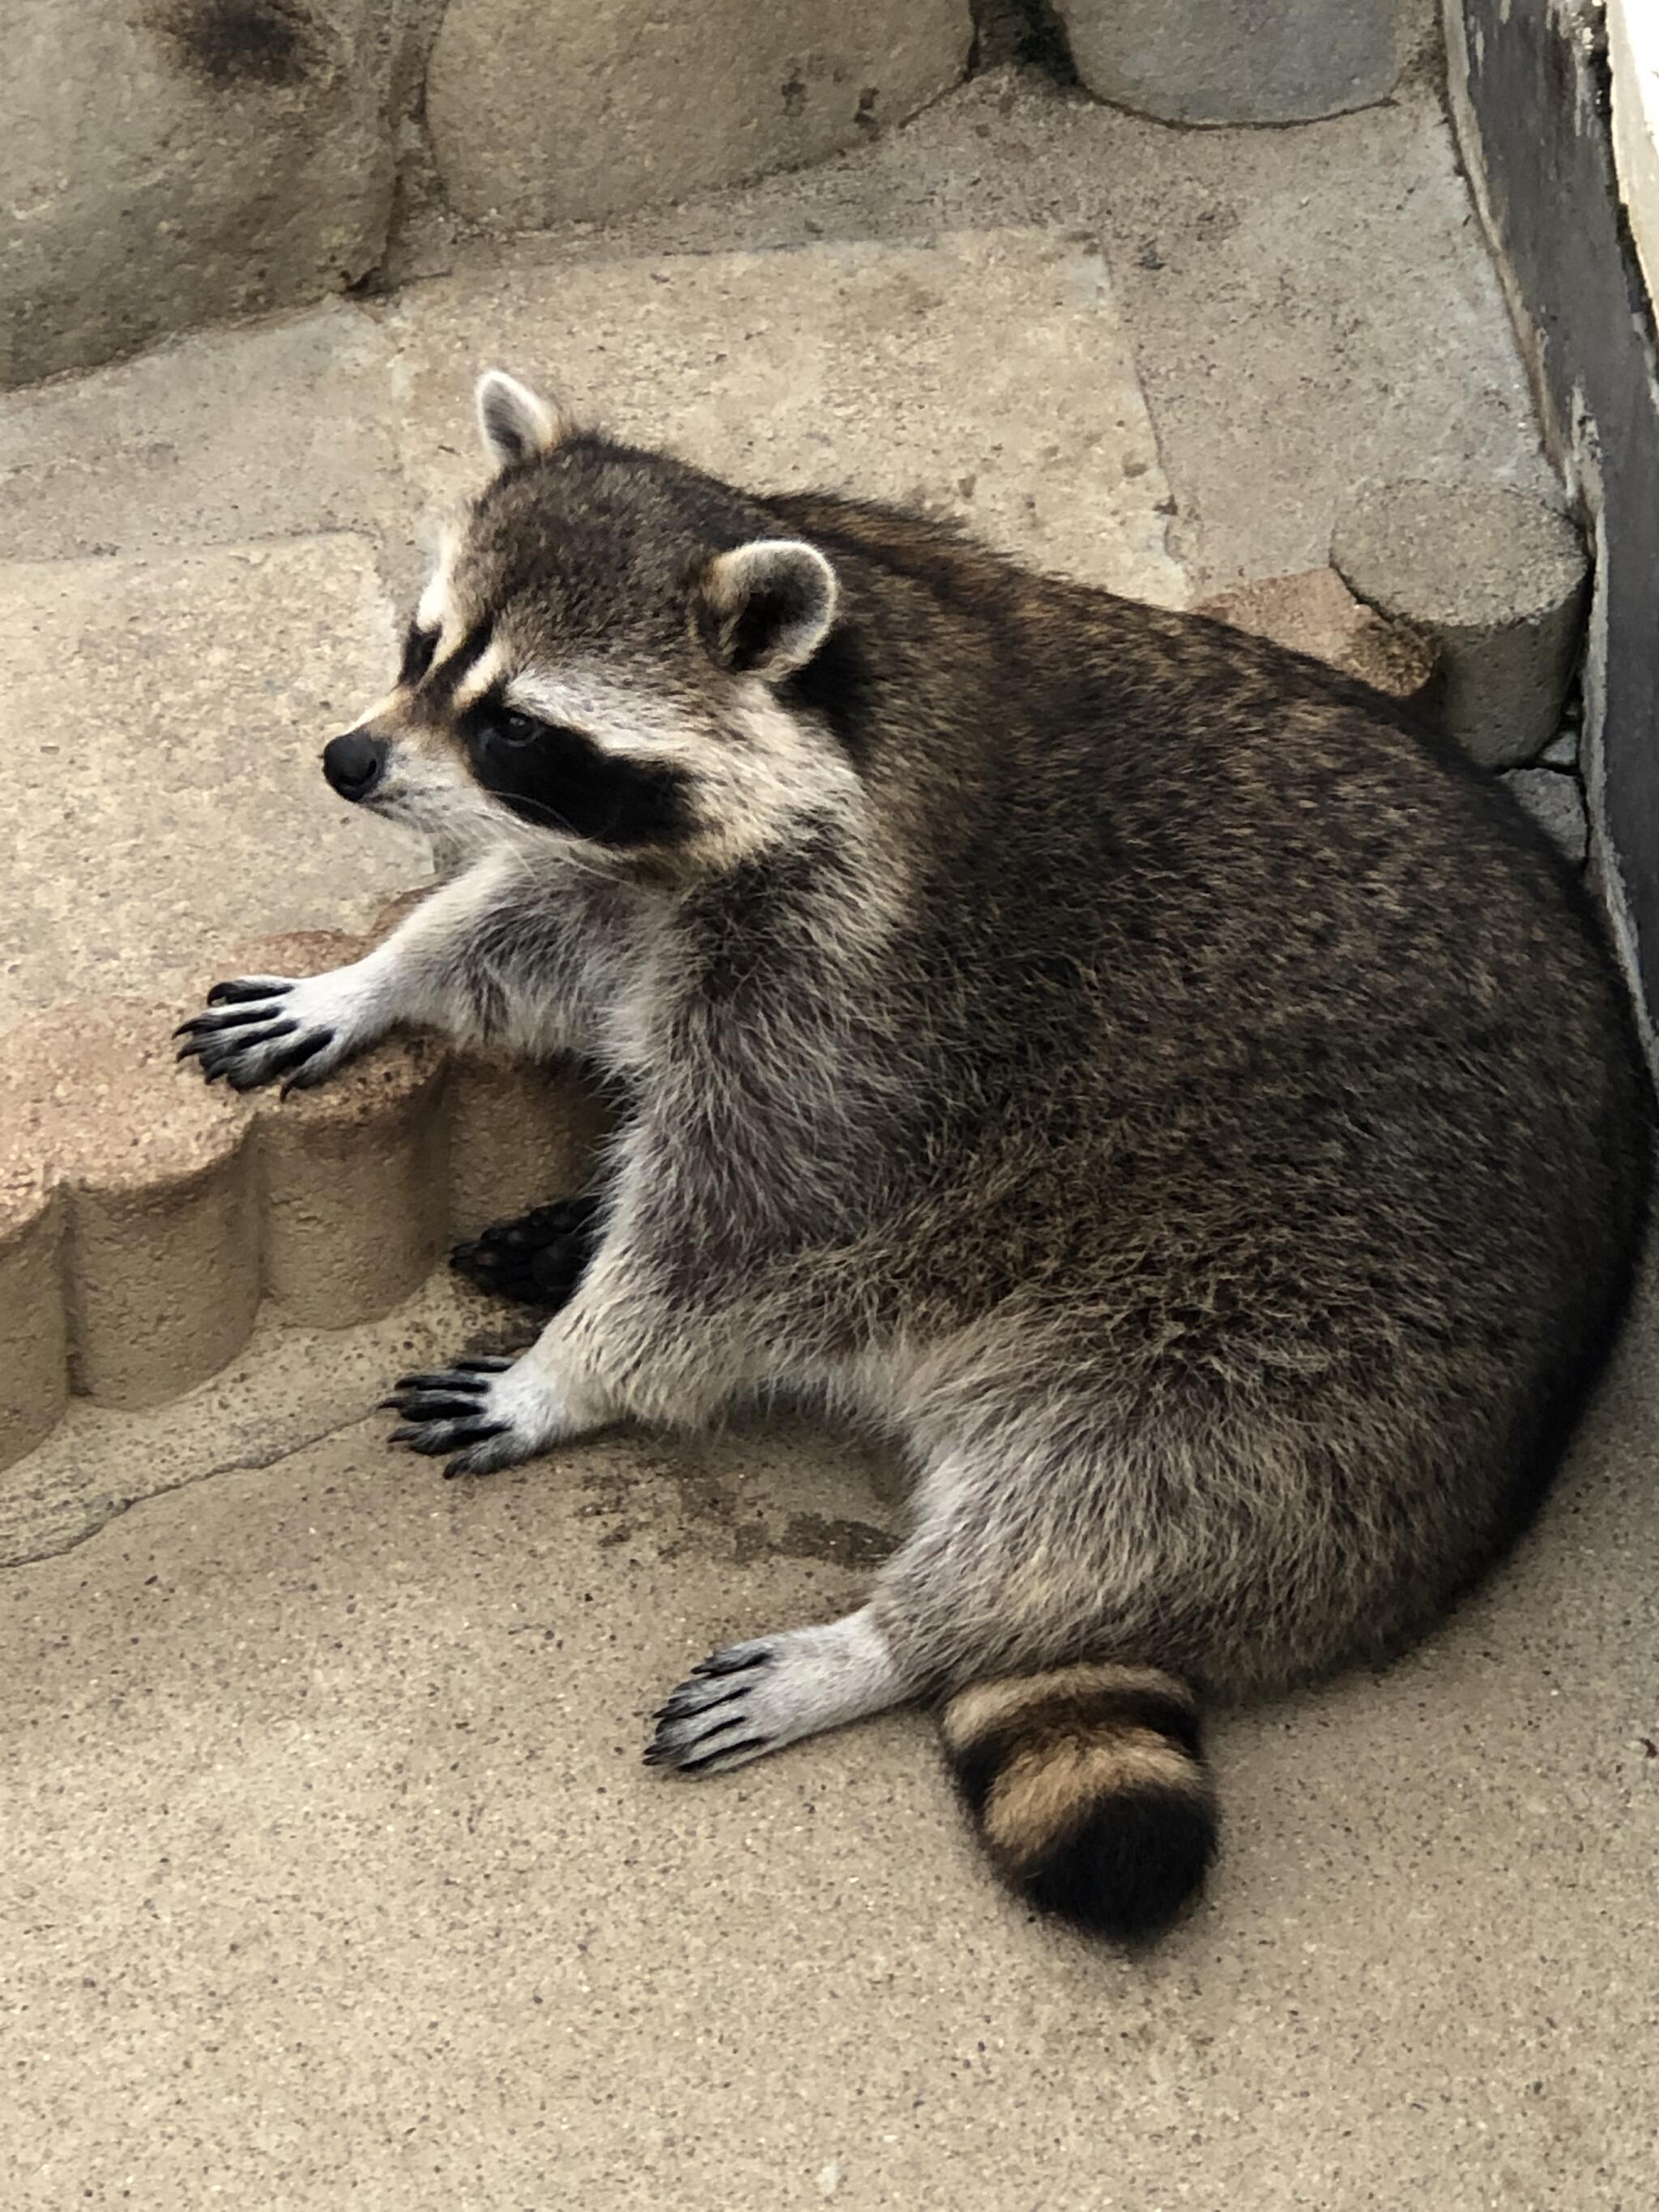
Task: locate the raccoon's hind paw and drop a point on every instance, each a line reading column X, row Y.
column 536, row 1259
column 266, row 1028
column 490, row 1413
column 717, row 1718
column 754, row 1698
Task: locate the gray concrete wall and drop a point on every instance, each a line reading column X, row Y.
column 1530, row 99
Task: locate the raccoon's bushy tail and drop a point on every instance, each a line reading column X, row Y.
column 1089, row 1790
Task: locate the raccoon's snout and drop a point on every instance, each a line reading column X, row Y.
column 355, row 764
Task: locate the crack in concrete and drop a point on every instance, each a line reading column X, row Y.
column 118, row 1508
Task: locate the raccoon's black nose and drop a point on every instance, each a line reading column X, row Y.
column 355, row 764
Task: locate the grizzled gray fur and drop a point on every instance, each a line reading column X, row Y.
column 1189, row 1108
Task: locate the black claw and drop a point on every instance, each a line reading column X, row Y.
column 438, row 1378
column 232, row 1024
column 720, row 1728
column 430, row 1441
column 427, row 1406
column 733, row 1662
column 236, row 994
column 244, row 1040
column 726, row 1751
column 297, row 1054
column 680, row 1705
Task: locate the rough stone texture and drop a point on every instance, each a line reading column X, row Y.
column 34, row 1384
column 1237, row 61
column 332, row 1874
column 1563, row 751
column 1633, row 62
column 518, row 1136
column 544, row 110
column 281, row 430
column 160, row 1274
column 985, row 376
column 170, row 161
column 1315, row 613
column 1555, row 799
column 147, row 707
column 1497, row 580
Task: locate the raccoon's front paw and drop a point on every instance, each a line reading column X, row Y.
column 489, row 1412
column 272, row 1026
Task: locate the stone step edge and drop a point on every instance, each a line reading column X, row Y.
column 145, row 1214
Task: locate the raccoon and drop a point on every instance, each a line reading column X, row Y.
column 1187, row 1107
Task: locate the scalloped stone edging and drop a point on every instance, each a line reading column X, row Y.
column 144, row 1214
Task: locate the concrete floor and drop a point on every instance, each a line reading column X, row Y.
column 332, row 1873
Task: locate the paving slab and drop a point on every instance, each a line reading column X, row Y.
column 987, row 376
column 160, row 720
column 270, row 430
column 333, row 1876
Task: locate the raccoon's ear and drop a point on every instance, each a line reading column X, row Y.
column 516, row 424
column 764, row 608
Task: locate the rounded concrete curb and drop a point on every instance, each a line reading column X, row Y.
column 1497, row 579
column 145, row 1215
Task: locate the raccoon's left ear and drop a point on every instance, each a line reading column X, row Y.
column 516, row 423
column 764, row 608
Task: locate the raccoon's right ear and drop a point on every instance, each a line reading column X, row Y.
column 765, row 608
column 516, row 424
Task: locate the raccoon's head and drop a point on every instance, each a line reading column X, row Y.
column 601, row 662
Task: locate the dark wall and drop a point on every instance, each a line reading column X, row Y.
column 1531, row 94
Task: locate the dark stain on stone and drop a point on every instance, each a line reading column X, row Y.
column 233, row 44
column 864, row 113
column 711, row 1515
column 842, row 1543
column 795, row 94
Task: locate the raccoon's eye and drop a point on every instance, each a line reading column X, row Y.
column 514, row 728
column 419, row 646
